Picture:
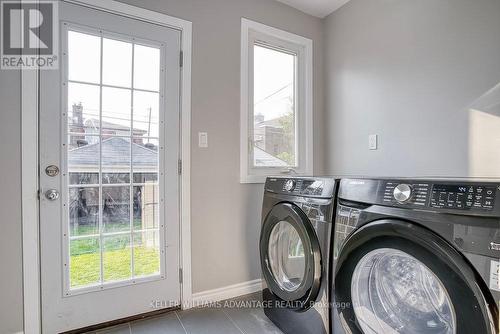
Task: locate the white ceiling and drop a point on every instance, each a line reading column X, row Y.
column 319, row 8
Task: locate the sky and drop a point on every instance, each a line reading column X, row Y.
column 273, row 82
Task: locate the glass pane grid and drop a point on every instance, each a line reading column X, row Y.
column 113, row 165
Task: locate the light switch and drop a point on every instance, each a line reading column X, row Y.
column 202, row 139
column 372, row 142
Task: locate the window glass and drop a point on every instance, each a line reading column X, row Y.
column 146, row 68
column 84, row 52
column 274, row 111
column 146, row 113
column 116, row 63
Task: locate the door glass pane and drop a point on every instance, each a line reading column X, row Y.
column 146, row 206
column 116, row 209
column 83, row 211
column 83, row 108
column 146, row 113
column 393, row 292
column 84, row 54
column 145, row 156
column 146, row 68
column 83, row 159
column 116, row 163
column 145, row 177
column 274, row 111
column 112, row 134
column 146, row 253
column 117, row 257
column 286, row 256
column 116, row 111
column 116, row 63
column 85, row 262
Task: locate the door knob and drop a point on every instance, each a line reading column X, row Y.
column 52, row 194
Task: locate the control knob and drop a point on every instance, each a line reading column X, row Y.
column 403, row 192
column 289, row 185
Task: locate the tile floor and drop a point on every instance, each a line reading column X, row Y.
column 225, row 320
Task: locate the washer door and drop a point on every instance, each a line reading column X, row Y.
column 401, row 278
column 392, row 290
column 290, row 256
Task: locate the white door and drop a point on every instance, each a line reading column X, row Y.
column 109, row 121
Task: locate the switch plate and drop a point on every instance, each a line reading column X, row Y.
column 373, row 142
column 202, row 139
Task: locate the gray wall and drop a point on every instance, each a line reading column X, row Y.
column 11, row 294
column 410, row 71
column 226, row 214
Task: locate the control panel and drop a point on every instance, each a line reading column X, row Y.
column 463, row 196
column 308, row 187
column 437, row 195
column 449, row 196
column 303, row 187
column 406, row 193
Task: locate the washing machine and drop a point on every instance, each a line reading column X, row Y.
column 295, row 252
column 416, row 256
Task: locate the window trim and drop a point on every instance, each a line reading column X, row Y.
column 303, row 47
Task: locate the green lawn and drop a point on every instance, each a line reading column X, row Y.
column 110, row 227
column 85, row 260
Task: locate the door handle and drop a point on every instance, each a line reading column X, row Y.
column 52, row 194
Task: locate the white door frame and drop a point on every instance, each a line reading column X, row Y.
column 30, row 163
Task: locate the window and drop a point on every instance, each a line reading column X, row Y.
column 276, row 103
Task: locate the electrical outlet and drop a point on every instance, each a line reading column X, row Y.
column 373, row 142
column 202, row 139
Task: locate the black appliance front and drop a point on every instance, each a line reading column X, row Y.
column 291, row 256
column 294, row 250
column 401, row 263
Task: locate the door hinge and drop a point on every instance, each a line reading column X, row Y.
column 181, row 59
column 180, row 275
column 179, row 167
column 38, row 192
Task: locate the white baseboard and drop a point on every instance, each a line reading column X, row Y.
column 227, row 292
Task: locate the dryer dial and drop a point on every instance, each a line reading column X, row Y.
column 403, row 193
column 289, row 185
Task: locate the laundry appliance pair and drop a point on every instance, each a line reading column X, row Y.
column 402, row 256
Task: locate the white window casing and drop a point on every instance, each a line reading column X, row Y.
column 253, row 33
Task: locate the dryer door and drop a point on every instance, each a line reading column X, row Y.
column 290, row 256
column 402, row 278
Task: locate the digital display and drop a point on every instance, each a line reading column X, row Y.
column 450, row 188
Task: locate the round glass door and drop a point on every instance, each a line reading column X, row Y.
column 286, row 256
column 393, row 292
column 290, row 255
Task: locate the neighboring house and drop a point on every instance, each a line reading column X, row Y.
column 270, row 141
column 89, row 128
column 262, row 158
column 269, row 136
column 274, row 129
